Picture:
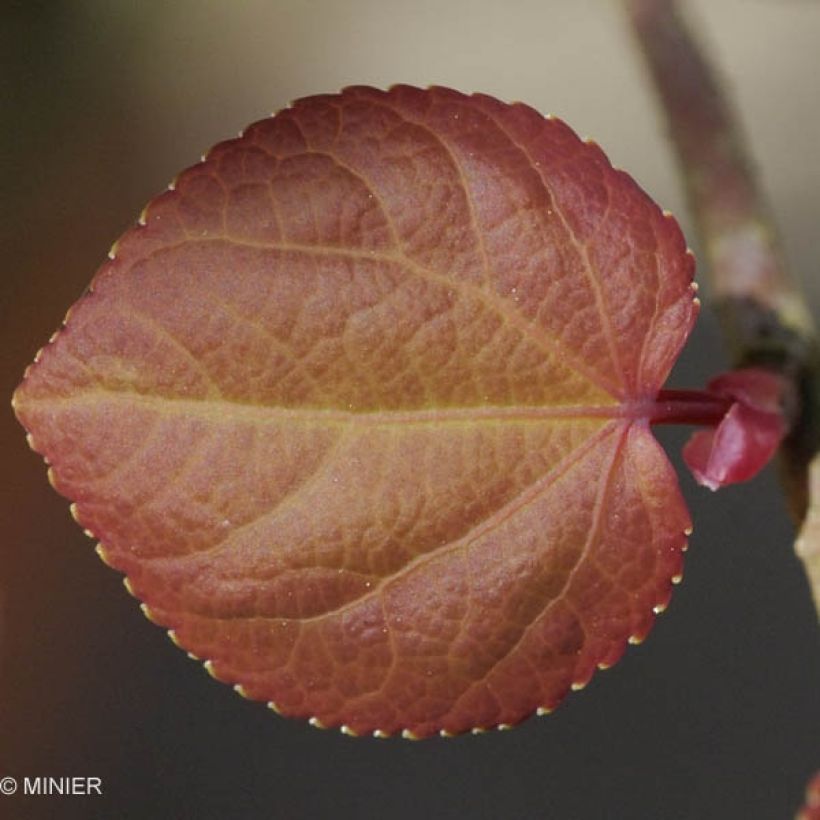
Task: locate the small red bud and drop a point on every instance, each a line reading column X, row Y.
column 748, row 435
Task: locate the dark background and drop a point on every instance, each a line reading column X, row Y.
column 717, row 715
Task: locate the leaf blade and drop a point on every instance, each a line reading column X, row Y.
column 348, row 362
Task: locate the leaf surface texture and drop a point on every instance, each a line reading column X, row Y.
column 357, row 407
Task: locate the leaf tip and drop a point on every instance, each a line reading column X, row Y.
column 316, row 723
column 407, row 734
column 274, row 707
column 380, row 734
column 346, row 730
column 241, row 691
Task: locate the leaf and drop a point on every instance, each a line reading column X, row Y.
column 361, row 408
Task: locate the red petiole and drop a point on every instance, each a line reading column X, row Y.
column 689, row 407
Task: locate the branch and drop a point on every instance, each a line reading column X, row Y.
column 763, row 314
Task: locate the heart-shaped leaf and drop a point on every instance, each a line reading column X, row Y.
column 361, row 407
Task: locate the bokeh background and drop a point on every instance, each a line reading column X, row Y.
column 717, row 715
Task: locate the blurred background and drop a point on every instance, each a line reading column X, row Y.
column 717, row 715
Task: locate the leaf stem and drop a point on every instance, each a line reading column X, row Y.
column 689, row 407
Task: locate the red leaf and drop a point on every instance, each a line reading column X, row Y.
column 362, row 409
column 749, row 434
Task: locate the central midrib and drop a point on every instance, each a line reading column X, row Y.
column 222, row 407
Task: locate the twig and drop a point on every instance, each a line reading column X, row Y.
column 764, row 316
